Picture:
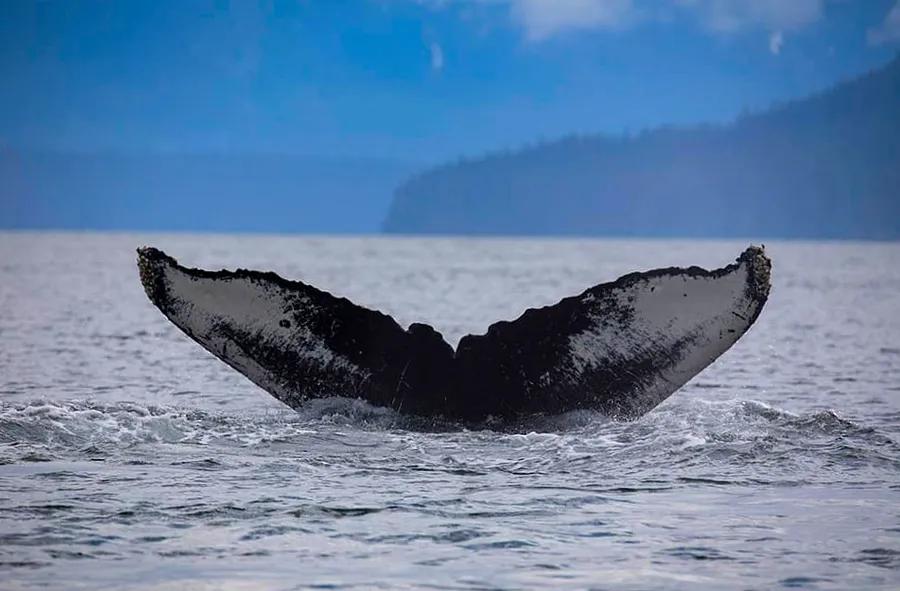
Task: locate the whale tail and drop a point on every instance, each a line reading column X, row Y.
column 621, row 347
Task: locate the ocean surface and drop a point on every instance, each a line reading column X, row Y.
column 130, row 458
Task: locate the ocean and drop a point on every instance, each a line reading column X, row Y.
column 130, row 458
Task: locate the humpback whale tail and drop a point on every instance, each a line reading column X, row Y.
column 620, row 348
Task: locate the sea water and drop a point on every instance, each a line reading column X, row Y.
column 130, row 458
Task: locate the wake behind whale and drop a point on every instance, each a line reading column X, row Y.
column 620, row 348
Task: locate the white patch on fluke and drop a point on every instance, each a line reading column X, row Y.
column 679, row 322
column 208, row 309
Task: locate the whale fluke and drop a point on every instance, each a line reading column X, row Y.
column 620, row 348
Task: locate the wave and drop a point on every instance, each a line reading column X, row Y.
column 692, row 432
column 77, row 424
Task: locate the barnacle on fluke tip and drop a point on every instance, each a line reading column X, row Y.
column 620, row 348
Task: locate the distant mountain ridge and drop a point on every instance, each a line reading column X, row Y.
column 827, row 166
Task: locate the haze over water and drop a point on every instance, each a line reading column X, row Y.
column 131, row 458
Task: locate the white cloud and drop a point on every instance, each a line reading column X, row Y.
column 542, row 18
column 728, row 16
column 889, row 30
column 776, row 40
column 437, row 57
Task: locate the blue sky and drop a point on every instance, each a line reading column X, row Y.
column 415, row 80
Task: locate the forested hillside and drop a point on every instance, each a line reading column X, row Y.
column 825, row 166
